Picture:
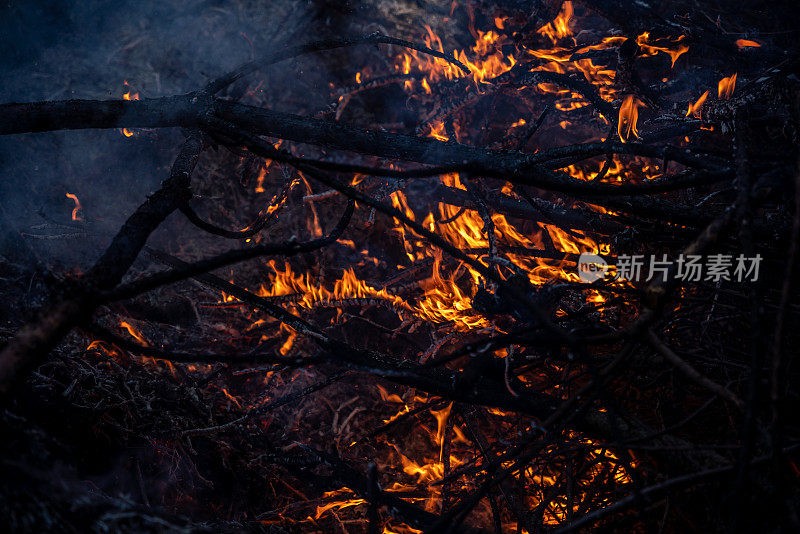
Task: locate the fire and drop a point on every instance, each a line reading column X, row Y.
column 628, row 116
column 674, row 51
column 559, row 61
column 559, row 28
column 128, row 96
column 726, row 86
column 134, row 333
column 230, row 397
column 262, row 174
column 448, row 298
column 446, row 302
column 310, row 295
column 441, row 420
column 104, row 348
column 445, row 294
column 616, row 171
column 745, row 43
column 403, row 529
column 694, row 109
column 487, row 60
column 338, row 504
column 289, row 342
column 394, row 398
column 76, row 211
column 437, row 131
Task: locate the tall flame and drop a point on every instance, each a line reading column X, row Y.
column 726, row 86
column 559, row 28
column 628, row 117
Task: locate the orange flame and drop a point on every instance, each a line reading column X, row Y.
column 401, row 529
column 441, row 421
column 628, row 117
column 128, row 96
column 437, row 131
column 726, row 86
column 289, row 343
column 675, row 51
column 694, row 109
column 134, row 333
column 445, row 297
column 262, row 173
column 76, row 211
column 338, row 505
column 745, row 43
column 488, row 63
column 559, row 28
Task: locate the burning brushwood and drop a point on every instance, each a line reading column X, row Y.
column 532, row 270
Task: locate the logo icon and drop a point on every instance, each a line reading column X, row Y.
column 591, row 268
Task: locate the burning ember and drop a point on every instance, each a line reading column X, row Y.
column 501, row 270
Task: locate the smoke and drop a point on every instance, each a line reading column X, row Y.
column 88, row 49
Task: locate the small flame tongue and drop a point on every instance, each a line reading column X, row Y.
column 694, row 109
column 77, row 210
